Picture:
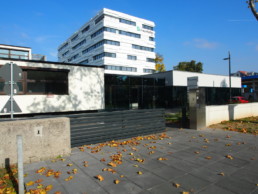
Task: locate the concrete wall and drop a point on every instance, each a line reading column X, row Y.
column 205, row 80
column 86, row 90
column 42, row 139
column 216, row 114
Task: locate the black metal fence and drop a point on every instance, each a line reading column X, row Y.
column 98, row 127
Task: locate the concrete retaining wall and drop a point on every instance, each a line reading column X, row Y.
column 216, row 114
column 42, row 139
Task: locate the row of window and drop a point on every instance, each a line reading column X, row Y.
column 127, row 22
column 75, row 38
column 79, row 44
column 147, row 27
column 105, row 54
column 134, row 58
column 148, row 71
column 120, row 68
column 111, row 42
column 138, row 47
column 62, row 47
column 64, row 54
column 73, row 57
column 41, row 82
column 131, row 34
column 14, row 54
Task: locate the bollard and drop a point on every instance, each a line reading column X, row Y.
column 20, row 164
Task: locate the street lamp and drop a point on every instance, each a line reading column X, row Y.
column 229, row 69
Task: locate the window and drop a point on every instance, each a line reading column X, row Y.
column 134, row 46
column 129, row 34
column 62, row 47
column 148, row 71
column 105, row 54
column 84, row 62
column 150, row 60
column 79, row 44
column 147, row 27
column 86, row 29
column 120, row 68
column 42, row 82
column 97, row 32
column 73, row 57
column 131, row 57
column 111, row 42
column 110, row 30
column 14, row 54
column 151, row 38
column 74, row 38
column 99, row 19
column 127, row 22
column 64, row 54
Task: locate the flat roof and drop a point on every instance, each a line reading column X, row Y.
column 15, row 46
column 51, row 62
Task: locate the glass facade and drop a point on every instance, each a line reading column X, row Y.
column 143, row 92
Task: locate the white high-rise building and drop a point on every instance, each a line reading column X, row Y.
column 124, row 44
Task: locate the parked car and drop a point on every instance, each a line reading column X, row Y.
column 238, row 99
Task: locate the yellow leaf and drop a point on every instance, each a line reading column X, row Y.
column 196, row 152
column 116, row 181
column 57, row 192
column 38, row 181
column 75, row 171
column 40, row 186
column 69, row 164
column 136, row 165
column 162, row 158
column 185, row 192
column 122, row 176
column 112, row 164
column 30, row 183
column 48, row 188
column 139, row 172
column 229, row 157
column 176, row 185
column 100, row 178
column 69, row 178
column 41, row 170
column 208, row 157
column 131, row 154
column 222, row 174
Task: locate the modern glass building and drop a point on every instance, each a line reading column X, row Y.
column 124, row 44
column 164, row 90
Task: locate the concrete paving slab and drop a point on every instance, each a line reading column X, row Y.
column 194, row 172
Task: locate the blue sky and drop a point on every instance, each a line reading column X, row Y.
column 186, row 30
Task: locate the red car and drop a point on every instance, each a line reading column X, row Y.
column 238, row 99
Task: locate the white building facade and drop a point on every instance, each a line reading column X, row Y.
column 122, row 43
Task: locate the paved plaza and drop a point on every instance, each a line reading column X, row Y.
column 181, row 160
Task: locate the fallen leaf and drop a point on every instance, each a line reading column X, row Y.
column 69, row 178
column 116, row 181
column 135, row 165
column 48, row 188
column 75, row 171
column 222, row 174
column 162, row 158
column 70, row 164
column 228, row 144
column 57, row 192
column 100, row 178
column 122, row 176
column 139, row 172
column 176, row 185
column 208, row 157
column 57, row 174
column 196, row 152
column 112, row 164
column 30, row 183
column 229, row 157
column 103, row 160
column 185, row 192
column 38, row 181
column 41, row 170
column 40, row 186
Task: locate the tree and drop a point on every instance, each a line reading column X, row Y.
column 159, row 67
column 191, row 66
column 251, row 4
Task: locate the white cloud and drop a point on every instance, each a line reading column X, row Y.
column 202, row 43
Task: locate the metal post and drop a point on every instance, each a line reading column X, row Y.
column 11, row 93
column 229, row 66
column 20, row 164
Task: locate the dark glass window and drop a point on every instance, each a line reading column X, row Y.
column 127, row 22
column 131, row 57
column 99, row 19
column 79, row 44
column 151, row 38
column 147, row 27
column 144, row 48
column 62, row 47
column 14, row 54
column 86, row 29
column 129, row 34
column 74, row 38
column 150, row 60
column 46, row 82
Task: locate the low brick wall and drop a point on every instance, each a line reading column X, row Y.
column 216, row 114
column 42, row 139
